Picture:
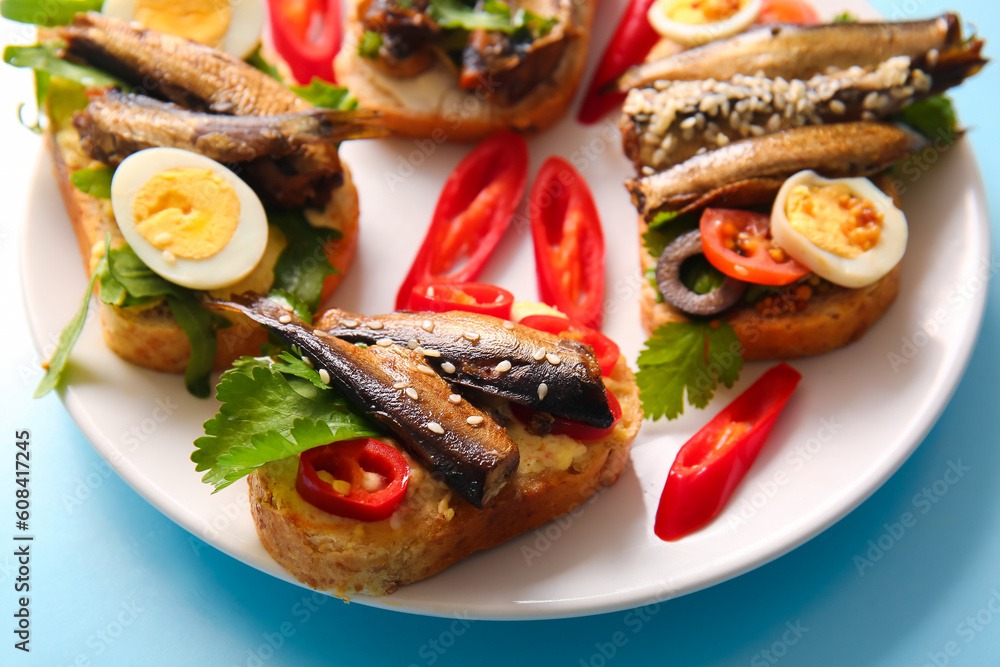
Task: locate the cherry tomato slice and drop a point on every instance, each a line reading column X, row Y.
column 348, row 461
column 605, row 349
column 568, row 427
column 739, row 244
column 787, row 11
column 470, row 297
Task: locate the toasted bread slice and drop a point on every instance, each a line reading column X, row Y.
column 833, row 317
column 431, row 104
column 432, row 528
column 149, row 336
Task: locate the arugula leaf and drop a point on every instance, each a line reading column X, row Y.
column 665, row 227
column 94, row 182
column 264, row 418
column 257, row 61
column 845, row 17
column 67, row 339
column 200, row 326
column 47, row 12
column 303, row 264
column 691, row 357
column 42, row 57
column 495, row 15
column 135, row 278
column 934, row 118
column 298, row 306
column 321, row 94
column 370, row 44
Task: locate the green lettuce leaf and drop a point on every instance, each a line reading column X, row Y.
column 200, row 327
column 47, row 12
column 370, row 44
column 303, row 264
column 686, row 357
column 43, row 58
column 95, row 182
column 454, row 14
column 67, row 339
column 322, row 94
column 665, row 227
column 934, row 118
column 266, row 416
column 257, row 61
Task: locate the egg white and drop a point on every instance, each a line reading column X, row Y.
column 240, row 39
column 865, row 269
column 688, row 34
column 230, row 264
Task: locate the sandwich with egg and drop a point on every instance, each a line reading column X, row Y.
column 187, row 171
column 382, row 449
column 766, row 191
column 460, row 70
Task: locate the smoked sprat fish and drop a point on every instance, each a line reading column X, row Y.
column 751, row 171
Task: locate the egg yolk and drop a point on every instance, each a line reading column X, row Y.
column 834, row 218
column 204, row 21
column 188, row 212
column 696, row 12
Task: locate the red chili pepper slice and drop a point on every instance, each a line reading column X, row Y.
column 569, row 243
column 473, row 211
column 348, row 461
column 575, row 430
column 470, row 297
column 605, row 349
column 713, row 462
column 632, row 41
column 307, row 34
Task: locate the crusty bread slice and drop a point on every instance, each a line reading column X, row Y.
column 432, row 528
column 149, row 336
column 834, row 318
column 432, row 105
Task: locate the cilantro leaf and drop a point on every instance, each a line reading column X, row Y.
column 321, row 94
column 289, row 364
column 370, row 44
column 46, row 12
column 264, row 418
column 67, row 339
column 686, row 357
column 845, row 17
column 934, row 118
column 94, row 182
column 298, row 306
column 42, row 57
column 495, row 15
column 258, row 62
column 303, row 265
column 665, row 227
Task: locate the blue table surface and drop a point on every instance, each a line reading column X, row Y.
column 114, row 582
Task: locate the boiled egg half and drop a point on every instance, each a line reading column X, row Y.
column 190, row 219
column 232, row 26
column 845, row 230
column 695, row 22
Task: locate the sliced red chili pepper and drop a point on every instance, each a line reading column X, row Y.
column 632, row 41
column 605, row 349
column 568, row 427
column 473, row 211
column 347, row 462
column 470, row 297
column 307, row 34
column 739, row 244
column 569, row 243
column 713, row 462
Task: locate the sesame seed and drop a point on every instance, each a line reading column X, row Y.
column 470, row 336
column 539, row 354
column 474, row 420
column 350, row 324
column 448, row 367
column 648, row 171
column 508, row 324
column 932, row 58
column 838, row 107
column 307, row 361
column 324, row 376
column 375, row 324
column 401, row 385
column 543, row 390
column 285, row 319
column 435, row 427
column 427, row 326
column 427, row 352
column 425, row 369
column 384, row 342
column 412, row 344
column 688, row 123
column 503, row 366
column 320, row 334
column 455, row 398
column 168, row 257
column 163, row 238
column 412, row 393
column 554, row 359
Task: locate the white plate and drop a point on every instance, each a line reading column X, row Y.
column 858, row 414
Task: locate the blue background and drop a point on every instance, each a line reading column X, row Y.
column 117, row 583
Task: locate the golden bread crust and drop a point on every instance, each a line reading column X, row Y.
column 348, row 557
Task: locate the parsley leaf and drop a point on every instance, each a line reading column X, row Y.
column 67, row 339
column 94, row 182
column 321, row 94
column 289, row 364
column 46, row 12
column 267, row 416
column 689, row 357
column 303, row 265
column 934, row 118
column 370, row 44
column 665, row 227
